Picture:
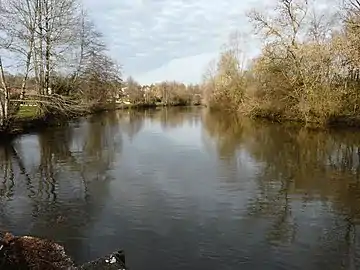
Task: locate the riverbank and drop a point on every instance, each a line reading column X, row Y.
column 338, row 122
column 346, row 122
column 27, row 120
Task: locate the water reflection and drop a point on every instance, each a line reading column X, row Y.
column 7, row 184
column 133, row 122
column 168, row 184
column 58, row 177
column 299, row 166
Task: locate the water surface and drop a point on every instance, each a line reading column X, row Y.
column 187, row 189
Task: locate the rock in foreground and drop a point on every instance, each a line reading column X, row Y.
column 31, row 253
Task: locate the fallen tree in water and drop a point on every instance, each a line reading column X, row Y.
column 31, row 253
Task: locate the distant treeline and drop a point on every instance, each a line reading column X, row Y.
column 166, row 93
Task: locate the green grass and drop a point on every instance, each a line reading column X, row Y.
column 27, row 112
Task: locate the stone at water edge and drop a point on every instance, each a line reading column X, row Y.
column 115, row 261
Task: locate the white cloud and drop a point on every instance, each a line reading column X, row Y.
column 185, row 69
column 167, row 39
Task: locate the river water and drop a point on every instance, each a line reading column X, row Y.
column 187, row 189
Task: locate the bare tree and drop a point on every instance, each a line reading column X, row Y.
column 59, row 23
column 351, row 36
column 224, row 81
column 4, row 98
column 18, row 28
column 100, row 78
column 90, row 44
column 134, row 90
column 41, row 32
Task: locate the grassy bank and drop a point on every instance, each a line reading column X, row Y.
column 29, row 119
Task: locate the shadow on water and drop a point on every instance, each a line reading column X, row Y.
column 299, row 168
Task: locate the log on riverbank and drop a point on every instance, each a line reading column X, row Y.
column 31, row 253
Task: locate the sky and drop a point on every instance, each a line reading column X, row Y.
column 157, row 40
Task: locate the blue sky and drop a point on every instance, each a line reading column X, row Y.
column 159, row 40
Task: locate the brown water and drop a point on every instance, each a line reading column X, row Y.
column 186, row 189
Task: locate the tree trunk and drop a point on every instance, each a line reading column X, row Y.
column 1, row 113
column 40, row 63
column 32, row 27
column 82, row 45
column 27, row 67
column 47, row 46
column 6, row 99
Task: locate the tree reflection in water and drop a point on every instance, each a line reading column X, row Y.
column 57, row 183
column 298, row 165
column 306, row 183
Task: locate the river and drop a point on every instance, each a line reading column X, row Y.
column 183, row 188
